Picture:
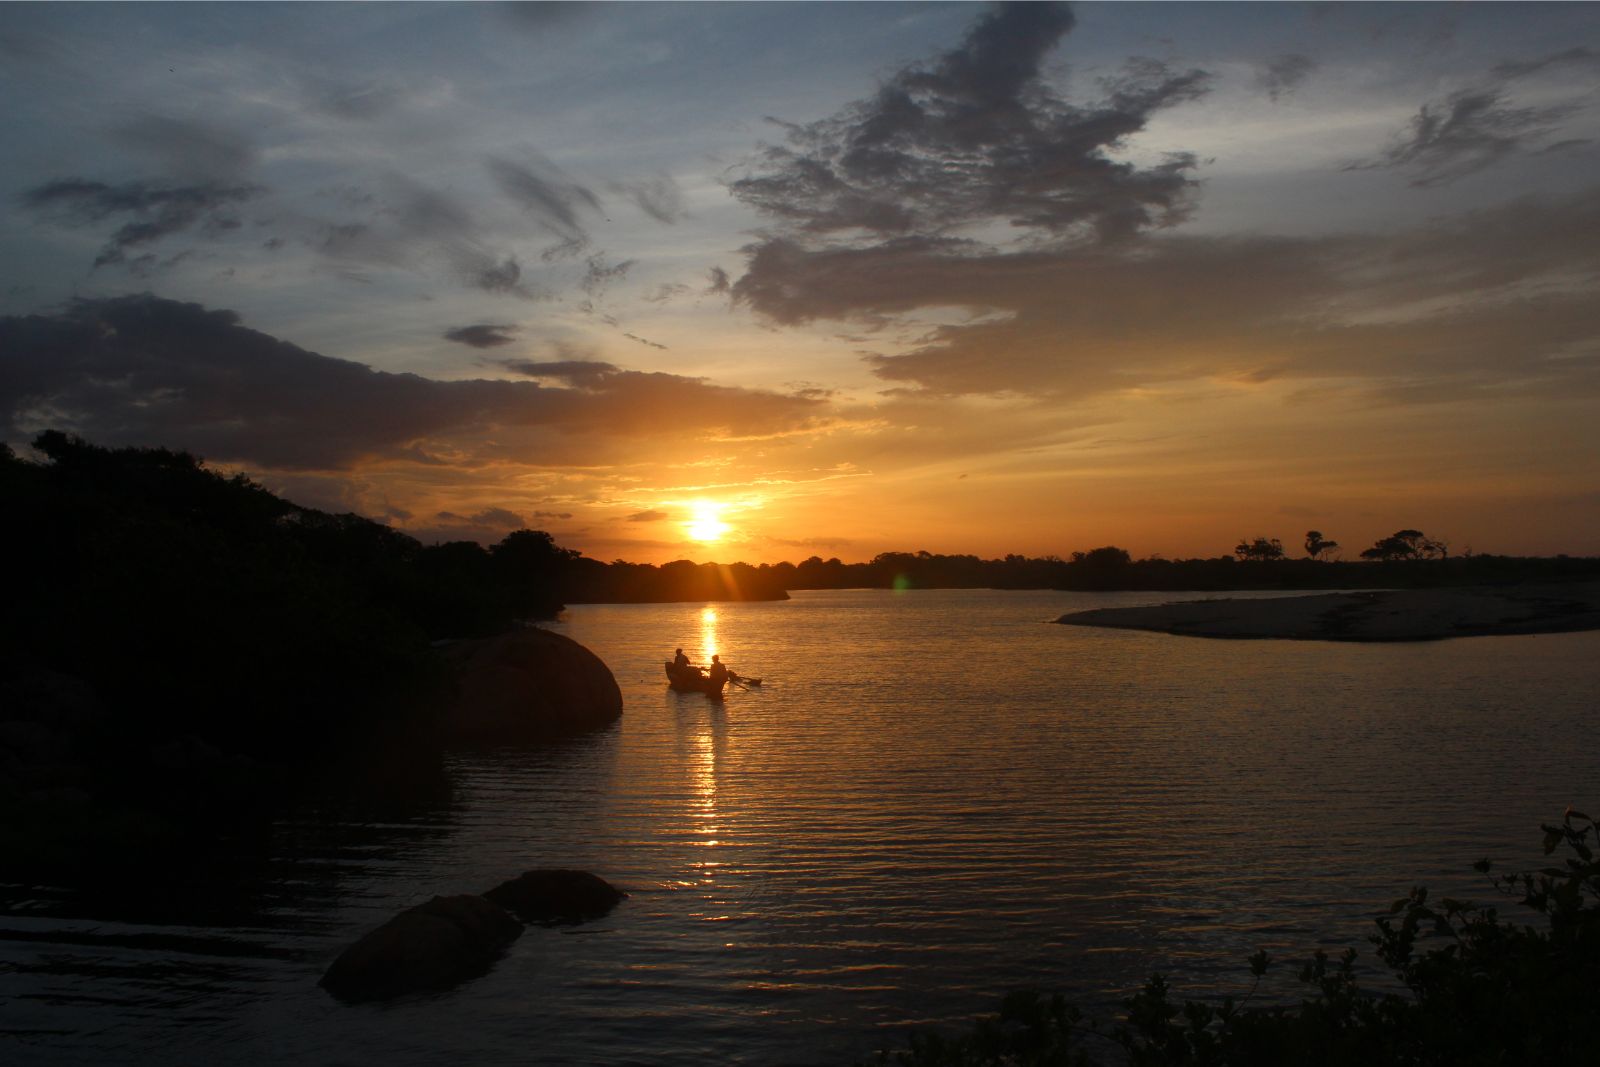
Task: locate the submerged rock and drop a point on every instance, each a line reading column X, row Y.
column 431, row 946
column 557, row 895
column 529, row 685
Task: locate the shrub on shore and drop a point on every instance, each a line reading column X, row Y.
column 1478, row 990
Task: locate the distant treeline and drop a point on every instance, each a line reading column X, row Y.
column 1112, row 568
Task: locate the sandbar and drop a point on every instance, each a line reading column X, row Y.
column 1385, row 615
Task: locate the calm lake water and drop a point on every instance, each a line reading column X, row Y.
column 935, row 796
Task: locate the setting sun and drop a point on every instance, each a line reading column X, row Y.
column 707, row 524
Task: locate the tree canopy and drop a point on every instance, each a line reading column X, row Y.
column 1406, row 544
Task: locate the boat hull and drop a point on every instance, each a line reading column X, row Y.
column 689, row 680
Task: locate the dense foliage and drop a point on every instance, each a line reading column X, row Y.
column 217, row 608
column 175, row 641
column 1468, row 988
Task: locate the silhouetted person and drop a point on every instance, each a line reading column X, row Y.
column 719, row 672
column 680, row 660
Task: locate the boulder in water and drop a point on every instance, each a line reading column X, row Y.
column 529, row 685
column 556, row 895
column 431, row 946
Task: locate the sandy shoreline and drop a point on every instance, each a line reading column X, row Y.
column 1391, row 615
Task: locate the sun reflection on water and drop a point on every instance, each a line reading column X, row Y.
column 708, row 633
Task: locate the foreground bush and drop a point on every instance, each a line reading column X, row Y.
column 1478, row 989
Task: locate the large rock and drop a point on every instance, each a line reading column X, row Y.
column 529, row 685
column 431, row 946
column 557, row 895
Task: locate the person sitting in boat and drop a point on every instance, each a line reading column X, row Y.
column 719, row 671
column 681, row 664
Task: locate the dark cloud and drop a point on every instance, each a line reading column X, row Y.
column 496, row 517
column 142, row 370
column 978, row 137
column 540, row 16
column 957, row 178
column 659, row 197
column 1099, row 299
column 1284, row 74
column 486, row 526
column 645, row 341
column 719, row 281
column 551, row 515
column 502, row 277
column 153, row 211
column 552, row 198
column 1464, row 133
column 191, row 149
column 1572, row 56
column 583, row 374
column 648, row 516
column 483, row 335
column 1492, row 302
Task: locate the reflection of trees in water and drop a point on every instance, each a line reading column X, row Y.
column 213, row 927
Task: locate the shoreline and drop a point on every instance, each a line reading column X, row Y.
column 1385, row 615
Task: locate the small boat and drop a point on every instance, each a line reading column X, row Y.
column 689, row 680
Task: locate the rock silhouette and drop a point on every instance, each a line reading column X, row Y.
column 556, row 896
column 449, row 939
column 431, row 946
column 528, row 685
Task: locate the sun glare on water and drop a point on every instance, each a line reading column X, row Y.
column 706, row 525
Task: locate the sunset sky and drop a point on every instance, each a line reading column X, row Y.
column 766, row 281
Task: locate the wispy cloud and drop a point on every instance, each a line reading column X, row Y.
column 547, row 195
column 1284, row 74
column 1579, row 57
column 659, row 197
column 154, row 211
column 1464, row 133
column 1476, row 127
column 404, row 224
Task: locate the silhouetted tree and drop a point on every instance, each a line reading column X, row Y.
column 533, row 570
column 1406, row 544
column 1108, row 557
column 1316, row 545
column 1260, row 548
